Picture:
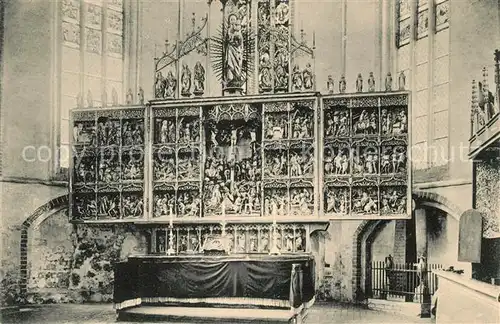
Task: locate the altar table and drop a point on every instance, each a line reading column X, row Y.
column 278, row 281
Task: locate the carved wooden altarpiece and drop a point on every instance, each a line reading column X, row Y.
column 241, row 167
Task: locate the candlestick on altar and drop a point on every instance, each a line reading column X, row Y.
column 171, row 250
column 223, row 206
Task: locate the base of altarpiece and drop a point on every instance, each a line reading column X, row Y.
column 269, row 282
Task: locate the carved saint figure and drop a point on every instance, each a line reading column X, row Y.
column 234, row 53
column 199, row 79
column 308, row 77
column 402, row 80
column 359, row 83
column 265, row 78
column 342, row 84
column 371, row 83
column 330, row 84
column 170, row 85
column 297, row 80
column 388, row 82
column 186, row 80
column 159, row 85
column 140, row 96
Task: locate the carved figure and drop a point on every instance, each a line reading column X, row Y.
column 402, row 80
column 140, row 96
column 308, row 77
column 359, row 83
column 233, row 71
column 365, row 204
column 199, row 79
column 160, row 84
column 342, row 84
column 388, row 82
column 297, row 80
column 186, row 81
column 281, row 78
column 366, row 123
column 330, row 84
column 170, row 85
column 265, row 78
column 371, row 83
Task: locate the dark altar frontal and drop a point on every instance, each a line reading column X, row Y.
column 263, row 172
column 241, row 280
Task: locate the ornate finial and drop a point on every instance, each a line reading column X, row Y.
column 359, row 83
column 485, row 80
column 371, row 83
column 302, row 35
column 342, row 84
column 388, row 82
column 473, row 111
column 330, row 84
column 140, row 96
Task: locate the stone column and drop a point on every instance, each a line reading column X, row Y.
column 421, row 232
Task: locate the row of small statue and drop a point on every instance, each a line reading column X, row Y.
column 330, row 84
column 165, row 87
column 239, row 243
column 129, row 99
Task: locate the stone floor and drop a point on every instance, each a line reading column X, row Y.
column 104, row 313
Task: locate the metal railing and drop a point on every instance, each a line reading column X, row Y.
column 400, row 281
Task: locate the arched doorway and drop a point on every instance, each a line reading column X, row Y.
column 437, row 219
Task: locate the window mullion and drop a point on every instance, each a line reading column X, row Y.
column 83, row 45
column 104, row 52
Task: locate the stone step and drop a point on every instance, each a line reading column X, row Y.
column 206, row 315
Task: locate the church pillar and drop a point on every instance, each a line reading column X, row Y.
column 421, row 232
column 422, row 245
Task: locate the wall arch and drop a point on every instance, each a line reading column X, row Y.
column 368, row 228
column 34, row 220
